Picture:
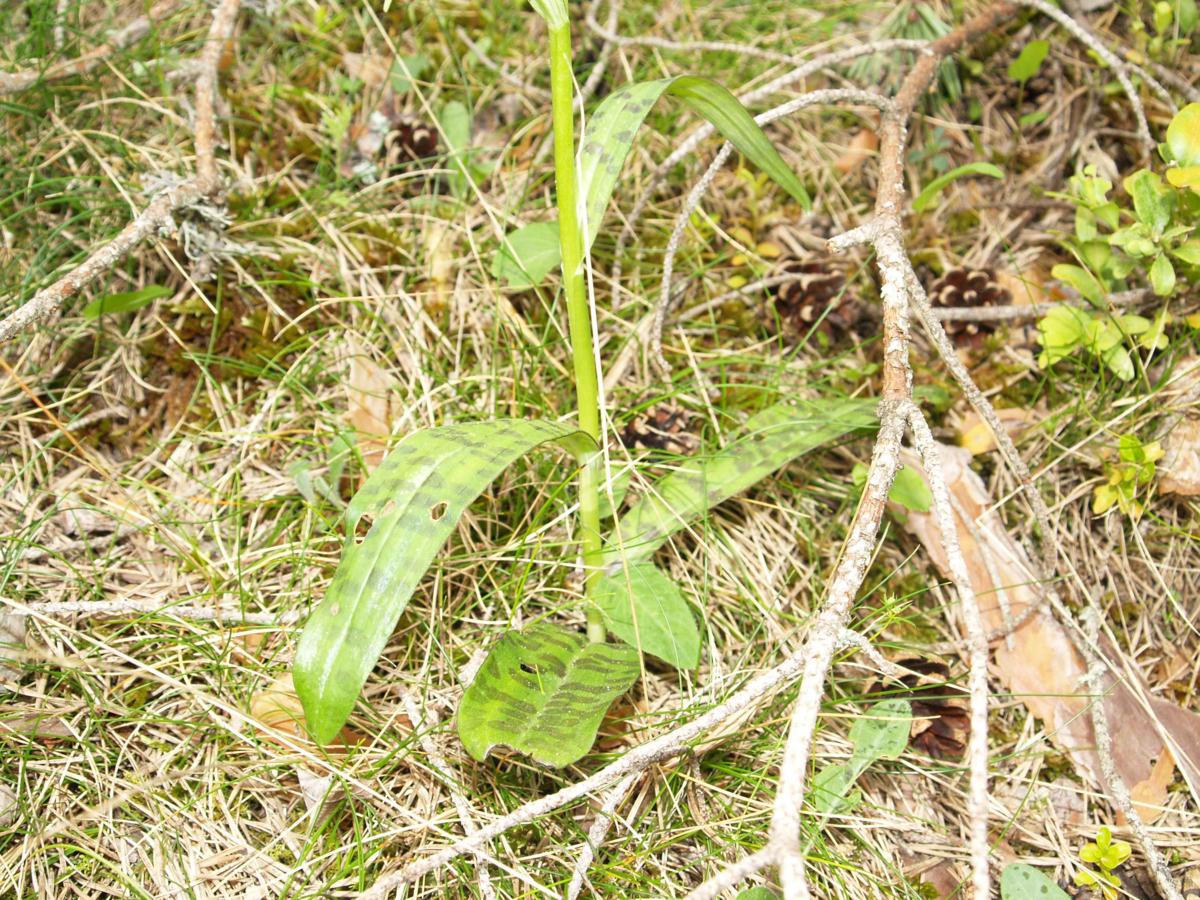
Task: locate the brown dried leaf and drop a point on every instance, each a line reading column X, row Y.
column 370, row 405
column 277, row 708
column 860, row 148
column 12, row 639
column 976, row 437
column 369, row 68
column 1180, row 465
column 1042, row 667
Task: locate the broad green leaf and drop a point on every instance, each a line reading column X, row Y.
column 611, row 129
column 758, row 893
column 931, row 191
column 1080, row 279
column 406, row 69
column 1186, row 15
column 1119, row 362
column 528, row 254
column 543, row 692
column 1189, row 252
column 1021, row 882
column 770, row 439
column 880, row 733
column 455, row 123
column 1183, row 136
column 127, row 302
column 1061, row 333
column 1029, row 62
column 1153, row 202
column 1162, row 275
column 910, row 491
column 415, row 499
column 644, row 608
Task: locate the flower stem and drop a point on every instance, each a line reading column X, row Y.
column 579, row 318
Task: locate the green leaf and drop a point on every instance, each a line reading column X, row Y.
column 1185, row 177
column 415, row 499
column 543, row 692
column 1080, row 279
column 553, row 11
column 1036, row 117
column 455, row 123
column 880, row 733
column 910, row 491
column 528, row 255
column 758, row 893
column 611, row 130
column 927, row 196
column 1153, row 201
column 1188, row 252
column 1029, row 62
column 644, row 608
column 1183, row 136
column 770, row 439
column 128, row 302
column 1186, row 15
column 406, row 69
column 1021, row 882
column 1061, row 333
column 1162, row 275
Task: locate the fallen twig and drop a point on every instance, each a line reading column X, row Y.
column 157, row 216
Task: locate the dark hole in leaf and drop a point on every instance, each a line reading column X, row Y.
column 438, row 510
column 526, row 667
column 361, row 527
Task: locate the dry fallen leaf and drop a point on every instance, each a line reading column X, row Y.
column 371, row 403
column 1180, row 465
column 12, row 638
column 860, row 148
column 976, row 437
column 1043, row 669
column 277, row 708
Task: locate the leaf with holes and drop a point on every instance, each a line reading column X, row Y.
column 609, row 133
column 415, row 499
column 770, row 439
column 643, row 607
column 543, row 692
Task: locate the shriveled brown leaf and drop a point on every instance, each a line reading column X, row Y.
column 1180, row 464
column 1042, row 668
column 277, row 708
column 12, row 639
column 859, row 150
column 370, row 407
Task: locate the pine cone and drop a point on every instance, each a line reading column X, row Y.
column 411, row 139
column 663, row 427
column 960, row 288
column 817, row 295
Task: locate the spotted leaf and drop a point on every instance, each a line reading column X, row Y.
column 543, row 692
column 770, row 439
column 609, row 133
column 414, row 499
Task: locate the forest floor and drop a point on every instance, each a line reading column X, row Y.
column 181, row 466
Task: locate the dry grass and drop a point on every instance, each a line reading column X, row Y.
column 126, row 740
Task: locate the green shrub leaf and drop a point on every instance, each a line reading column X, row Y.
column 1153, row 201
column 770, row 439
column 1183, row 136
column 1029, row 62
column 926, row 198
column 543, row 692
column 1162, row 275
column 611, row 130
column 1080, row 279
column 1021, row 882
column 415, row 499
column 528, row 255
column 910, row 491
column 644, row 608
column 127, row 302
column 758, row 893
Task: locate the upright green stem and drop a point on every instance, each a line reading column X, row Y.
column 578, row 315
